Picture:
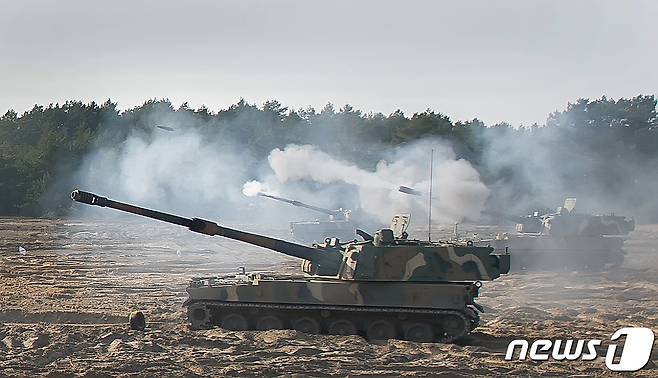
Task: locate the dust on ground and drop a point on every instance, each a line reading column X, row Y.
column 64, row 306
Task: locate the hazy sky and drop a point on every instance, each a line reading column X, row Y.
column 510, row 61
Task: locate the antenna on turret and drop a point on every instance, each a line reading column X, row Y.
column 429, row 217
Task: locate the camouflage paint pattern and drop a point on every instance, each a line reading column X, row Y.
column 414, row 261
column 566, row 222
column 566, row 239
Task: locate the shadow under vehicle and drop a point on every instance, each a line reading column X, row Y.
column 565, row 239
column 380, row 288
column 339, row 223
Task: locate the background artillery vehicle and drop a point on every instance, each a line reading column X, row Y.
column 564, row 238
column 338, row 225
column 382, row 287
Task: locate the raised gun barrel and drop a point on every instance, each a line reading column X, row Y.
column 336, row 214
column 325, row 261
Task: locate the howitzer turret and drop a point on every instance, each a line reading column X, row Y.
column 382, row 287
column 565, row 238
column 338, row 225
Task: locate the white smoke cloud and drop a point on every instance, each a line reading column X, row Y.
column 458, row 192
column 174, row 172
column 186, row 173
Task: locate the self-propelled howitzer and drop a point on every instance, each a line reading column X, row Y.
column 338, row 224
column 565, row 238
column 383, row 287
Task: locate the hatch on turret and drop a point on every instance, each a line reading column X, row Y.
column 399, row 224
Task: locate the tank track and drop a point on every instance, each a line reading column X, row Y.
column 373, row 323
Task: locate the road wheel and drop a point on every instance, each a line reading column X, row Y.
column 234, row 322
column 381, row 330
column 269, row 322
column 199, row 316
column 419, row 332
column 342, row 327
column 453, row 325
column 307, row 325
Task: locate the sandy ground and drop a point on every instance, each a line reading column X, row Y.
column 64, row 307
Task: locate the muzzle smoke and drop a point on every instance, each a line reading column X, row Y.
column 458, row 191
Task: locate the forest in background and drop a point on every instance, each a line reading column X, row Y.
column 604, row 148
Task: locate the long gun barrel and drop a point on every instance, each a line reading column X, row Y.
column 322, row 259
column 334, row 213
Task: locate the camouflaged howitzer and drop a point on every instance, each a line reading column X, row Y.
column 338, row 224
column 565, row 238
column 383, row 287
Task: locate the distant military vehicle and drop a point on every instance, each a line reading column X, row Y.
column 339, row 223
column 382, row 287
column 565, row 239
